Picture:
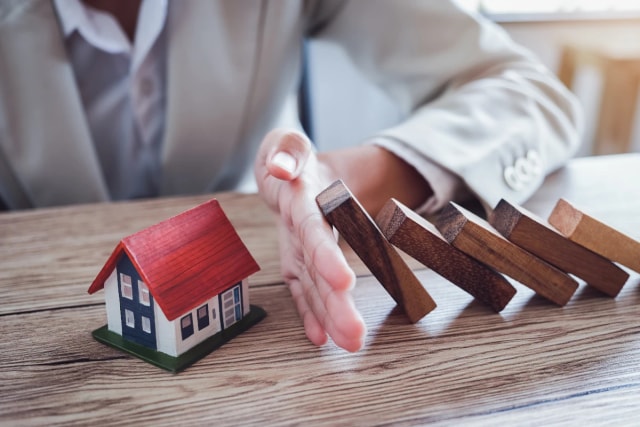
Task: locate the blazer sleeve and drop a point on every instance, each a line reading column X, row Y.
column 477, row 105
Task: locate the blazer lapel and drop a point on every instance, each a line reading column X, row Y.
column 213, row 48
column 46, row 140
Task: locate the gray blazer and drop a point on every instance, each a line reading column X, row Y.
column 477, row 103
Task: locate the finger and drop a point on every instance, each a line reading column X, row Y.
column 325, row 258
column 312, row 326
column 319, row 305
column 301, row 215
column 292, row 266
column 347, row 328
column 336, row 313
column 287, row 152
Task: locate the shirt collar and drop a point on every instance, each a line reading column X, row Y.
column 101, row 30
column 151, row 22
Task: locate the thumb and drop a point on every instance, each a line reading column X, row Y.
column 286, row 152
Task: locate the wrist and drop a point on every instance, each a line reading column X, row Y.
column 374, row 175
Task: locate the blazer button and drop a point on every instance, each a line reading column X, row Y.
column 534, row 161
column 513, row 178
column 524, row 169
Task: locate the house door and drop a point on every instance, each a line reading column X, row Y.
column 231, row 305
column 136, row 306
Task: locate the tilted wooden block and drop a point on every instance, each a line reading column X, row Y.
column 420, row 239
column 475, row 236
column 356, row 227
column 595, row 235
column 529, row 232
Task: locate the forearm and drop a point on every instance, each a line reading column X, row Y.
column 374, row 175
column 474, row 108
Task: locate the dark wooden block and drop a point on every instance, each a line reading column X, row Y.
column 595, row 235
column 420, row 239
column 356, row 227
column 531, row 233
column 475, row 236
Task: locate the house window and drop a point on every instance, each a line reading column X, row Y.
column 146, row 324
column 129, row 319
column 231, row 306
column 236, row 297
column 203, row 317
column 186, row 325
column 125, row 286
column 143, row 293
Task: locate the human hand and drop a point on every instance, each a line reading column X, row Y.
column 289, row 177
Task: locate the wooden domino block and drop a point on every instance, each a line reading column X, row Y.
column 475, row 236
column 356, row 227
column 529, row 232
column 420, row 239
column 595, row 235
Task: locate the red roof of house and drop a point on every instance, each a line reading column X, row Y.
column 185, row 260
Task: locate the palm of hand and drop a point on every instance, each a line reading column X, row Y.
column 289, row 177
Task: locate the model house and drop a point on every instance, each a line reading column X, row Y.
column 177, row 286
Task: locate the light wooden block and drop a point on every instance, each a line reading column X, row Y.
column 595, row 235
column 420, row 239
column 344, row 212
column 475, row 236
column 531, row 233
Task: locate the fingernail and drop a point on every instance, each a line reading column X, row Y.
column 284, row 161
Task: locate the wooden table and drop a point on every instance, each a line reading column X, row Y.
column 534, row 363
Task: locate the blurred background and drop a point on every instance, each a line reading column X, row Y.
column 593, row 46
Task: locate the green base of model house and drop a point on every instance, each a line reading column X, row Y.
column 177, row 364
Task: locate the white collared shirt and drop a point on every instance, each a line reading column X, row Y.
column 122, row 89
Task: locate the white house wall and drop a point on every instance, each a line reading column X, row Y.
column 112, row 300
column 165, row 333
column 178, row 345
column 169, row 333
column 245, row 297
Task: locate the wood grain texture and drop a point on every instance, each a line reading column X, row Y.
column 475, row 236
column 51, row 249
column 529, row 232
column 595, row 235
column 464, row 366
column 420, row 239
column 356, row 227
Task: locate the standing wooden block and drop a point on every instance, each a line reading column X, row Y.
column 595, row 235
column 356, row 227
column 420, row 239
column 475, row 236
column 525, row 230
